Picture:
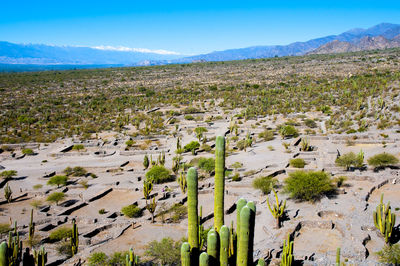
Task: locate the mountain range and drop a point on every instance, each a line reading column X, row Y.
column 381, row 36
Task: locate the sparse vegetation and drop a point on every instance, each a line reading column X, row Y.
column 165, row 252
column 297, row 163
column 58, row 180
column 264, row 183
column 56, row 197
column 382, row 160
column 159, row 174
column 132, row 211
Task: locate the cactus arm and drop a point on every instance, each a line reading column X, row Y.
column 193, row 230
column 239, row 205
column 204, row 260
column 3, row 254
column 212, row 246
column 219, row 182
column 185, row 254
column 224, row 245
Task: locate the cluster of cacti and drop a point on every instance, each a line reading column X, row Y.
column 131, row 259
column 360, row 159
column 219, row 186
column 384, row 219
column 74, row 238
column 182, row 183
column 278, row 209
column 305, row 145
column 40, row 257
column 11, row 253
column 161, row 158
column 146, row 162
column 287, row 252
column 147, row 188
column 8, row 193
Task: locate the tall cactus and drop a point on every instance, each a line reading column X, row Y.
column 252, row 207
column 147, row 188
column 31, row 229
column 185, row 254
column 384, row 219
column 239, row 205
column 204, row 259
column 277, row 209
column 219, row 182
column 212, row 247
column 243, row 237
column 338, row 257
column 224, row 245
column 131, row 259
column 74, row 238
column 287, row 252
column 192, row 186
column 3, row 254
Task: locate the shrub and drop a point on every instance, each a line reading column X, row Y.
column 189, row 117
column 132, row 211
column 57, row 180
column 310, row 123
column 236, row 177
column 350, row 159
column 308, row 186
column 339, row 181
column 36, row 204
column 264, row 183
column 64, row 248
column 165, row 252
column 129, row 143
column 98, row 259
column 382, row 160
column 78, row 147
column 192, row 146
column 207, row 164
column 76, row 171
column 288, row 131
column 37, row 186
column 102, row 211
column 60, row 234
column 297, row 163
column 159, row 174
column 266, row 135
column 55, row 197
column 27, row 151
column 4, row 228
column 390, row 254
column 8, row 174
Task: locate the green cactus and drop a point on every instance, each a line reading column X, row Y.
column 224, row 245
column 3, row 254
column 14, row 247
column 277, row 210
column 74, row 238
column 201, row 229
column 8, row 193
column 147, row 188
column 287, row 252
column 244, row 237
column 252, row 207
column 182, row 183
column 192, row 186
column 219, row 182
column 232, row 239
column 305, row 144
column 40, row 256
column 151, row 207
column 212, row 246
column 131, row 259
column 261, row 262
column 31, row 229
column 185, row 254
column 338, row 257
column 146, row 162
column 204, row 260
column 239, row 205
column 384, row 219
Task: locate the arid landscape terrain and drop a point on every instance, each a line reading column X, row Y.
column 322, row 114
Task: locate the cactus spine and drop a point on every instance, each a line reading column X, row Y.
column 204, row 259
column 384, row 219
column 224, row 245
column 193, row 230
column 212, row 246
column 3, row 254
column 74, row 238
column 277, row 210
column 287, row 252
column 219, row 182
column 185, row 254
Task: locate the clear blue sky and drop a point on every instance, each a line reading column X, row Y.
column 187, row 27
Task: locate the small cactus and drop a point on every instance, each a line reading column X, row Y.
column 277, row 210
column 287, row 252
column 338, row 257
column 182, row 183
column 147, row 188
column 74, row 238
column 3, row 254
column 192, row 186
column 40, row 256
column 224, row 245
column 8, row 193
column 131, row 259
column 384, row 219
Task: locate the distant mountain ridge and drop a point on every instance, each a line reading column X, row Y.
column 364, row 44
column 381, row 36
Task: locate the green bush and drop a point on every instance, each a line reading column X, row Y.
column 98, row 259
column 165, row 252
column 349, row 159
column 390, row 254
column 310, row 123
column 264, row 183
column 266, row 135
column 192, row 146
column 132, row 211
column 8, row 174
column 236, row 177
column 382, row 160
column 159, row 174
column 76, row 171
column 27, row 151
column 60, row 234
column 57, row 180
column 207, row 164
column 308, row 186
column 288, row 131
column 56, row 197
column 78, row 147
column 129, row 143
column 297, row 163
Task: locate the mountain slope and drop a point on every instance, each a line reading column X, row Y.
column 11, row 53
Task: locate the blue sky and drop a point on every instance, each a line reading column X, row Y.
column 186, row 27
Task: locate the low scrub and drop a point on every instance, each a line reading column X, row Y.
column 132, row 211
column 159, row 174
column 264, row 183
column 383, row 160
column 308, row 186
column 297, row 163
column 60, row 234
